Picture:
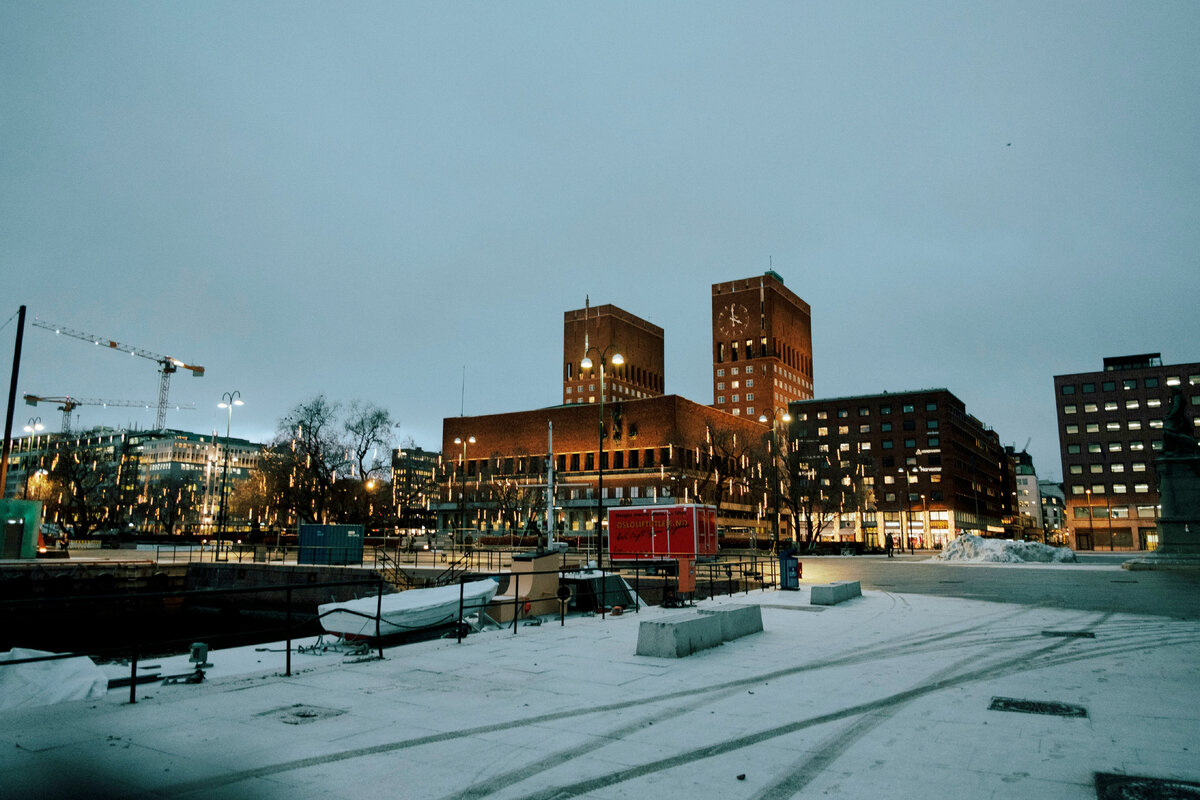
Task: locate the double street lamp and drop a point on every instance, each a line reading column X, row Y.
column 462, row 487
column 778, row 415
column 228, row 401
column 587, row 363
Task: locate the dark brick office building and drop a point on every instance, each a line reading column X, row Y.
column 1109, row 433
column 927, row 464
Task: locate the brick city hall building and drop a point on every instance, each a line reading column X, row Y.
column 655, row 448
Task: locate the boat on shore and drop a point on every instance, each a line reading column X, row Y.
column 404, row 612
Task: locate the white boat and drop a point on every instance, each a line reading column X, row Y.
column 411, row 610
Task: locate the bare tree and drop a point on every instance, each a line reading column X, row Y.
column 815, row 485
column 728, row 459
column 368, row 429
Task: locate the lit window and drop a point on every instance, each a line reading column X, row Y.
column 1076, row 469
column 1119, row 488
column 1112, row 426
column 1154, row 402
column 1093, row 427
column 1141, row 488
column 1114, row 447
column 1095, row 469
column 1110, row 405
column 735, row 385
column 864, row 428
column 1117, row 468
column 1071, row 409
column 1172, row 380
column 1131, row 405
column 1072, row 429
column 1137, row 445
column 843, row 430
column 1094, row 447
column 822, row 431
column 1090, row 408
column 1135, row 424
column 1138, row 466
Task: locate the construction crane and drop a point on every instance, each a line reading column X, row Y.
column 166, row 364
column 69, row 404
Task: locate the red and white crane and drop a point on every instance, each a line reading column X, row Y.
column 167, row 365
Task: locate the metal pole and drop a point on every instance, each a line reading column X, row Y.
column 600, row 478
column 12, row 397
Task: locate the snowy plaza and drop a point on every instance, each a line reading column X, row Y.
column 885, row 695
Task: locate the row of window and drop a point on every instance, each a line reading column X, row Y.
column 1113, row 405
column 1096, row 469
column 884, row 427
column 865, row 411
column 1113, row 426
column 1113, row 447
column 1127, row 384
column 1115, row 512
column 1117, row 488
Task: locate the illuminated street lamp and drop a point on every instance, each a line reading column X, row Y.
column 779, row 414
column 462, row 491
column 586, row 363
column 35, row 425
column 228, row 401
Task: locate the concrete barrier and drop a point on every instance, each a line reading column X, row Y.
column 737, row 621
column 830, row 594
column 678, row 635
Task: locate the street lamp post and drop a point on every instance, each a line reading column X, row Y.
column 777, row 415
column 1091, row 535
column 228, row 401
column 586, row 363
column 462, row 487
column 907, row 508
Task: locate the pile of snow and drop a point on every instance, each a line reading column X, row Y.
column 43, row 683
column 969, row 547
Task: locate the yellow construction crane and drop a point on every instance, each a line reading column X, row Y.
column 166, row 364
column 69, row 404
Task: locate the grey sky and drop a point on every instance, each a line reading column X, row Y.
column 362, row 199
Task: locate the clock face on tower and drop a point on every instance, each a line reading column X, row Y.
column 733, row 320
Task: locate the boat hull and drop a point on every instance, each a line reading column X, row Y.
column 404, row 612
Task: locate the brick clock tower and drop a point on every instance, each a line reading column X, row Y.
column 762, row 346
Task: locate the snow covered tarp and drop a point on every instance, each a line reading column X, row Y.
column 43, row 683
column 970, row 547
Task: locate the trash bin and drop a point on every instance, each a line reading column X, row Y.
column 789, row 572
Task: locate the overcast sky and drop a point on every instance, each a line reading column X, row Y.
column 363, row 199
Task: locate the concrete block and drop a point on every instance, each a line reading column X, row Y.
column 678, row 635
column 737, row 621
column 830, row 594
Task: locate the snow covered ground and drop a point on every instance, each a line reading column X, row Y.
column 971, row 548
column 886, row 695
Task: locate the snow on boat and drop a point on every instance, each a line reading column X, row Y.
column 406, row 611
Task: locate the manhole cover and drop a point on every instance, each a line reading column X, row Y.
column 1131, row 787
column 301, row 714
column 1071, row 634
column 1037, row 707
